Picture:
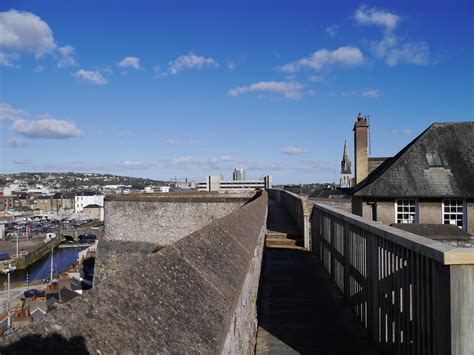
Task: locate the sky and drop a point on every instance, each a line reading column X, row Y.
column 187, row 89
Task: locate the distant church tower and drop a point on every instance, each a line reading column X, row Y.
column 346, row 171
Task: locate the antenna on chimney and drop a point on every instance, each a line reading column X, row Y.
column 370, row 140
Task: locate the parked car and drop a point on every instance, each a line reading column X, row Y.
column 4, row 256
column 32, row 293
column 87, row 238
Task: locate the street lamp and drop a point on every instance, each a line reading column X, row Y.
column 7, row 271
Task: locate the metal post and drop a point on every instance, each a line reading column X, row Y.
column 8, row 270
column 51, row 276
column 17, row 252
column 9, row 323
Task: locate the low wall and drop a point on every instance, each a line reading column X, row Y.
column 33, row 257
column 164, row 218
column 297, row 208
column 197, row 295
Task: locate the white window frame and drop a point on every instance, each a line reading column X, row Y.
column 416, row 208
column 464, row 212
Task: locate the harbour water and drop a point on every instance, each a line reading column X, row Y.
column 62, row 259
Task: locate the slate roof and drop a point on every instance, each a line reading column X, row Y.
column 434, row 231
column 407, row 174
column 375, row 162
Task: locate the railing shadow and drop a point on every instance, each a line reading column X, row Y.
column 50, row 344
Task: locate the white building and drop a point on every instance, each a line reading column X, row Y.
column 239, row 174
column 82, row 200
column 153, row 189
column 216, row 183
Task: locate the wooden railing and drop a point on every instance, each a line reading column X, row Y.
column 414, row 295
column 296, row 207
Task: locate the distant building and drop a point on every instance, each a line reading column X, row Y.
column 239, row 174
column 430, row 181
column 153, row 189
column 87, row 198
column 216, row 183
column 346, row 169
column 94, row 211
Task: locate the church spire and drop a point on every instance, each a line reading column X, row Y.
column 346, row 170
column 346, row 161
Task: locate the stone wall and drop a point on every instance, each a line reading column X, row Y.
column 197, row 295
column 164, row 218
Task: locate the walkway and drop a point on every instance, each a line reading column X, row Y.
column 300, row 309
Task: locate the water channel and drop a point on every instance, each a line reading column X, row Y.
column 62, row 259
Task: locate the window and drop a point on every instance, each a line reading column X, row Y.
column 405, row 211
column 453, row 212
column 434, row 160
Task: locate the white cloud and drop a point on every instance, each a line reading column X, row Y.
column 38, row 69
column 402, row 132
column 66, row 57
column 87, row 166
column 372, row 16
column 173, row 142
column 315, row 78
column 395, row 52
column 126, row 135
column 14, row 143
column 8, row 59
column 294, row 151
column 417, row 53
column 343, row 56
column 24, row 32
column 93, row 77
column 191, row 61
column 23, row 162
column 332, row 30
column 370, row 93
column 46, row 127
column 159, row 74
column 194, row 141
column 189, row 161
column 8, row 112
column 130, row 62
column 391, row 48
column 231, row 65
column 291, row 90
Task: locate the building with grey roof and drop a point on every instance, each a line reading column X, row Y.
column 430, row 181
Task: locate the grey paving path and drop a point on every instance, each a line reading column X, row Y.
column 301, row 310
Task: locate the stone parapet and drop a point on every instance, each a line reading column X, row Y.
column 197, row 295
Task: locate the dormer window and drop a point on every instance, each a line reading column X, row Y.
column 434, row 160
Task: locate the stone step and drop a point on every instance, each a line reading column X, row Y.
column 283, row 241
column 272, row 234
column 292, row 247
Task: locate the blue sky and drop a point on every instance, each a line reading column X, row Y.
column 184, row 89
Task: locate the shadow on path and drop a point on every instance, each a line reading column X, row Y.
column 301, row 310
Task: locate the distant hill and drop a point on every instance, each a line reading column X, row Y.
column 68, row 180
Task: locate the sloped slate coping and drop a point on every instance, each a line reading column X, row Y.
column 186, row 298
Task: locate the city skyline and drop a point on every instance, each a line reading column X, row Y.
column 161, row 90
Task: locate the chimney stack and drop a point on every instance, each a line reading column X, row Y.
column 361, row 149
